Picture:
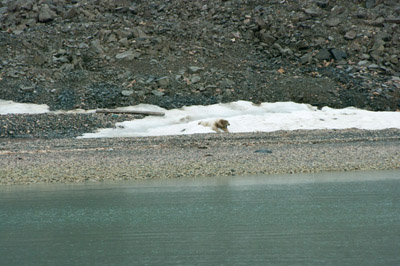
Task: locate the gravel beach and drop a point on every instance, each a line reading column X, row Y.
column 27, row 161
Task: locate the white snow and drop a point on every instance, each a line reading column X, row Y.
column 243, row 116
column 10, row 107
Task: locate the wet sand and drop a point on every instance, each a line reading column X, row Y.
column 78, row 160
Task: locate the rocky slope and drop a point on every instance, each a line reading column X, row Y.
column 105, row 53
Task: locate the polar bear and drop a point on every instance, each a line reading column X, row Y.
column 216, row 125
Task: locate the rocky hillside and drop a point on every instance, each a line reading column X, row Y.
column 105, row 53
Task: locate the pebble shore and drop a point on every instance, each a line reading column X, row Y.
column 27, row 161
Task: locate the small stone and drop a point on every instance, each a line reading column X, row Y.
column 112, row 38
column 30, row 23
column 97, row 47
column 83, row 45
column 365, row 56
column 46, row 14
column 61, row 59
column 126, row 93
column 67, row 67
column 164, row 81
column 267, row 38
column 393, row 20
column 370, row 4
column 373, row 66
column 363, row 63
column 13, row 73
column 71, row 13
column 128, row 55
column 263, row 151
column 28, row 88
column 194, row 69
column 337, row 10
column 378, row 22
column 157, row 93
column 333, row 22
column 18, row 32
column 139, row 33
column 338, row 54
column 379, row 45
column 394, row 59
column 324, row 54
column 313, row 11
column 306, row 59
column 3, row 10
column 350, row 35
column 124, row 42
column 195, row 79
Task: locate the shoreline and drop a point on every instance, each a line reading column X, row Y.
column 69, row 160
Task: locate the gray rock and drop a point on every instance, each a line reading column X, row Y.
column 283, row 51
column 323, row 54
column 350, row 35
column 306, row 59
column 266, row 37
column 60, row 59
column 124, row 42
column 83, row 45
column 28, row 88
column 30, row 22
column 139, row 33
column 163, row 81
column 195, row 79
column 157, row 93
column 124, row 33
column 378, row 49
column 338, row 54
column 378, row 45
column 18, row 32
column 71, row 13
column 394, row 59
column 227, row 83
column 333, row 22
column 3, row 10
column 126, row 93
column 46, row 14
column 13, row 73
column 378, row 22
column 313, row 11
column 373, row 66
column 393, row 20
column 370, row 4
column 97, row 47
column 182, row 71
column 365, row 56
column 149, row 80
column 67, row 67
column 194, row 69
column 265, row 151
column 128, row 55
column 363, row 63
column 337, row 10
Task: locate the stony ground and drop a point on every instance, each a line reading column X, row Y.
column 70, row 160
column 92, row 54
column 48, row 126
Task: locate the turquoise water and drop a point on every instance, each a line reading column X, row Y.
column 321, row 219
